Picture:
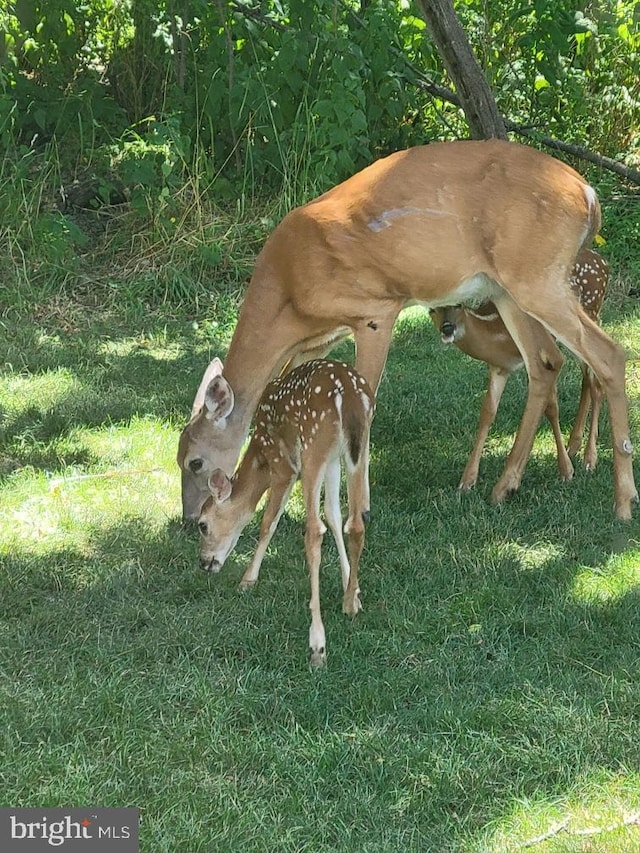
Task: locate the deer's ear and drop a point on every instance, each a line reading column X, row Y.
column 219, row 485
column 214, row 369
column 218, row 400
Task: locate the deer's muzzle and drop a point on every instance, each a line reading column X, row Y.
column 210, row 565
column 447, row 332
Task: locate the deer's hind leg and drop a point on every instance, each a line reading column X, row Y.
column 314, row 534
column 357, row 489
column 576, row 330
column 543, row 361
column 333, row 515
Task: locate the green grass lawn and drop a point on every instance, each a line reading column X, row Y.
column 487, row 698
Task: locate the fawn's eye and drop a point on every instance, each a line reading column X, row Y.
column 195, row 465
column 202, row 527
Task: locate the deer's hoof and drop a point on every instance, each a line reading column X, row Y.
column 351, row 605
column 566, row 476
column 318, row 659
column 623, row 508
column 501, row 493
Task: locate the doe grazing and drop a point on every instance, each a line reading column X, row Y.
column 482, row 334
column 307, row 423
column 438, row 224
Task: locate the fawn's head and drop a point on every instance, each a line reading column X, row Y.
column 208, row 441
column 449, row 321
column 222, row 519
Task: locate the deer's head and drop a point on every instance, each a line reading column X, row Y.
column 220, row 522
column 208, row 441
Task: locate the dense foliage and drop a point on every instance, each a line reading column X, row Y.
column 158, row 106
column 272, row 84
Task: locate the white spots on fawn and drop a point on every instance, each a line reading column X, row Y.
column 589, row 279
column 305, row 397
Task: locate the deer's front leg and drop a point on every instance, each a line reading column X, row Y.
column 497, row 381
column 373, row 338
column 278, row 496
column 553, row 416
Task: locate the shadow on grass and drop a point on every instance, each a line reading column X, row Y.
column 433, row 392
column 470, row 679
column 480, row 672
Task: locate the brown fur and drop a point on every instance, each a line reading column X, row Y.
column 482, row 334
column 306, row 423
column 438, row 224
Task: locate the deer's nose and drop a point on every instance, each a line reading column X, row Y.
column 447, row 330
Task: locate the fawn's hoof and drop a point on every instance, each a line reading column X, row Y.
column 351, row 604
column 318, row 658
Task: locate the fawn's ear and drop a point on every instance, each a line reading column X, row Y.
column 218, row 400
column 219, row 485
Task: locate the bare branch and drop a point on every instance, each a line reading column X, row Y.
column 554, row 829
column 579, row 151
column 563, row 827
column 627, row 172
column 256, row 15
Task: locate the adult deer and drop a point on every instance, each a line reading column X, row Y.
column 481, row 334
column 307, row 422
column 441, row 224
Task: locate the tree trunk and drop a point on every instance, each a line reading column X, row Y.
column 451, row 41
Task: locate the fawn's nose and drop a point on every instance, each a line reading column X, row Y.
column 447, row 330
column 210, row 565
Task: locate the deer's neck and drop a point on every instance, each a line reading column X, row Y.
column 259, row 345
column 268, row 333
column 250, row 482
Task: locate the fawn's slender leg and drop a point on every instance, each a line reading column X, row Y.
column 278, row 496
column 577, row 431
column 553, row 416
column 497, row 380
column 313, row 546
column 590, row 395
column 591, row 450
column 333, row 514
column 355, row 529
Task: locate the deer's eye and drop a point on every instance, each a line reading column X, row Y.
column 202, row 527
column 195, row 465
